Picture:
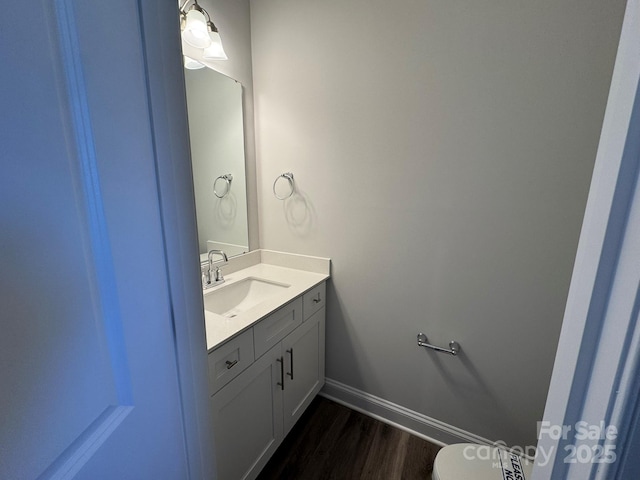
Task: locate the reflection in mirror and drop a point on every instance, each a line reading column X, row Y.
column 214, row 102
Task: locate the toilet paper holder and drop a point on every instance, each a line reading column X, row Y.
column 454, row 347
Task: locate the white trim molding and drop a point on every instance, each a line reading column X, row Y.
column 398, row 416
column 160, row 37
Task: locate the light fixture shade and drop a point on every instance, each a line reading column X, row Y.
column 191, row 64
column 195, row 31
column 215, row 50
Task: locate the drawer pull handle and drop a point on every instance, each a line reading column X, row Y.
column 290, row 352
column 317, row 300
column 281, row 383
column 231, row 364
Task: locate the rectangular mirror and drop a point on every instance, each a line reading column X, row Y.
column 214, row 103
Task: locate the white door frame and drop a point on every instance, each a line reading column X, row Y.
column 168, row 115
column 596, row 367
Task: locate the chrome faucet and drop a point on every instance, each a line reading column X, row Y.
column 212, row 276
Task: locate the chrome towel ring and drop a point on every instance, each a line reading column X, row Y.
column 227, row 187
column 289, row 177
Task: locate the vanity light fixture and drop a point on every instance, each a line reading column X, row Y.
column 199, row 31
column 215, row 50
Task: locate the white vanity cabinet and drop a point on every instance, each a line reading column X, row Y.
column 254, row 410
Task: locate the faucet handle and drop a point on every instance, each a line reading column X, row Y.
column 217, row 275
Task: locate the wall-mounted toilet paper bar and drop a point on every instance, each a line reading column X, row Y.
column 454, row 347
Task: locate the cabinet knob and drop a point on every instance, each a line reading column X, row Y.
column 317, row 300
column 230, row 364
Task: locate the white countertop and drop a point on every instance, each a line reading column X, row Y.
column 219, row 329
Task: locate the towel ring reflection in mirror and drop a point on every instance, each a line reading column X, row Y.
column 227, row 186
column 289, row 177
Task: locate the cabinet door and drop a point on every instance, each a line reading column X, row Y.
column 247, row 418
column 303, row 351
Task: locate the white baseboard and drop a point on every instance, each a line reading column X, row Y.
column 400, row 417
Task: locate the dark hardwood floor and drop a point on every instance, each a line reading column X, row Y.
column 334, row 442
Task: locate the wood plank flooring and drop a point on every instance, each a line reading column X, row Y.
column 334, row 442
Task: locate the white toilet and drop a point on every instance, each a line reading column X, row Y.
column 468, row 461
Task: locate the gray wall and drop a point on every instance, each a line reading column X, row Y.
column 442, row 152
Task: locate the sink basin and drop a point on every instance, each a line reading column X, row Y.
column 231, row 300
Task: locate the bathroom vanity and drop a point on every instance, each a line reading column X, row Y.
column 265, row 337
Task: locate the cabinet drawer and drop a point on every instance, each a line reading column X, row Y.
column 276, row 326
column 314, row 300
column 226, row 362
